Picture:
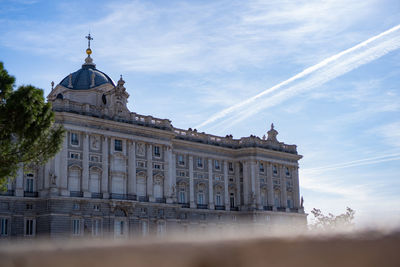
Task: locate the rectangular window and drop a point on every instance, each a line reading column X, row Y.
column 74, row 139
column 182, row 197
column 216, row 164
column 157, row 166
column 261, row 167
column 287, row 171
column 4, row 226
column 140, row 164
column 157, row 152
column 200, row 198
column 29, row 227
column 182, row 174
column 76, row 227
column 199, row 163
column 74, row 155
column 181, row 160
column 218, row 200
column 274, row 170
column 230, row 166
column 96, row 227
column 117, row 145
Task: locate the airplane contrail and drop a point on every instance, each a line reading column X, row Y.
column 354, row 163
column 311, row 77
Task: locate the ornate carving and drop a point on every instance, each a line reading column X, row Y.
column 140, row 149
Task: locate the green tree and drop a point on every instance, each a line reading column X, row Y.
column 27, row 131
column 332, row 222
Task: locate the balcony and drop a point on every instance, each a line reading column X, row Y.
column 268, row 208
column 97, row 195
column 217, row 207
column 7, row 193
column 118, row 196
column 30, row 194
column 282, row 209
column 143, row 199
column 202, row 206
column 184, row 205
column 294, row 210
column 160, row 200
column 234, row 208
column 131, row 197
column 76, row 194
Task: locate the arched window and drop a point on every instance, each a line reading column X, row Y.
column 158, row 187
column 232, row 199
column 74, row 179
column 218, row 196
column 201, row 194
column 182, row 193
column 141, row 185
column 94, row 180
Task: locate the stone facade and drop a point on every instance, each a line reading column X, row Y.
column 126, row 174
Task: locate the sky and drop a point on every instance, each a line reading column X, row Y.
column 325, row 72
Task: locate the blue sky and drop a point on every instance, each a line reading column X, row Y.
column 190, row 60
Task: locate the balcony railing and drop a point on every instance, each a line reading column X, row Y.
column 30, row 194
column 219, row 207
column 118, row 196
column 160, row 200
column 234, row 208
column 97, row 195
column 76, row 194
column 281, row 209
column 184, row 205
column 143, row 199
column 202, row 206
column 7, row 193
column 268, row 208
column 131, row 197
column 294, row 210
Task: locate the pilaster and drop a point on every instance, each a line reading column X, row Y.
column 150, row 173
column 226, row 186
column 270, row 186
column 283, row 186
column 257, row 184
column 253, row 196
column 237, row 178
column 246, row 179
column 211, row 205
column 296, row 187
column 64, row 168
column 19, row 182
column 85, row 167
column 105, row 167
column 168, row 191
column 132, row 168
column 191, row 183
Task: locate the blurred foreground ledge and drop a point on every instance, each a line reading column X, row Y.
column 361, row 249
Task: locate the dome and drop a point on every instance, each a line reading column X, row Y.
column 86, row 78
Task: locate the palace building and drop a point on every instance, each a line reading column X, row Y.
column 124, row 174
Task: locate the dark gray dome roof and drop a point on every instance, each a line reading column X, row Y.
column 82, row 79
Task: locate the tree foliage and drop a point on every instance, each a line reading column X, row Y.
column 27, row 131
column 332, row 222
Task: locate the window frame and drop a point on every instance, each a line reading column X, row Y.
column 29, row 227
column 73, row 140
column 120, row 146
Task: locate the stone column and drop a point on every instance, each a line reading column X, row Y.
column 237, row 178
column 57, row 174
column 64, row 169
column 168, row 175
column 226, row 186
column 257, row 185
column 211, row 205
column 85, row 166
column 172, row 167
column 191, row 183
column 132, row 169
column 150, row 173
column 246, row 179
column 270, row 185
column 283, row 186
column 296, row 187
column 47, row 169
column 253, row 196
column 19, row 182
column 104, row 165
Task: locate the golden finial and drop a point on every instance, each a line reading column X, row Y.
column 88, row 50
